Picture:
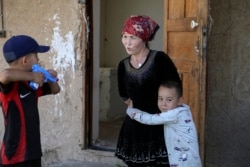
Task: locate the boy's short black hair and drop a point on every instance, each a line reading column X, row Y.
column 173, row 84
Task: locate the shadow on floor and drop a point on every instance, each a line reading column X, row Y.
column 108, row 134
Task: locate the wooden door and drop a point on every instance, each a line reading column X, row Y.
column 185, row 42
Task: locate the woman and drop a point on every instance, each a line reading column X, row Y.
column 139, row 76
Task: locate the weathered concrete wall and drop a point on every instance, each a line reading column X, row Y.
column 227, row 129
column 111, row 106
column 60, row 24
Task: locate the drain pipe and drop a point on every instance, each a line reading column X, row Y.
column 2, row 31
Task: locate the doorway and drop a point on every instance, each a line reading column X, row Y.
column 108, row 18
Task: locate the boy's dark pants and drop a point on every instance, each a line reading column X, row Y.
column 31, row 163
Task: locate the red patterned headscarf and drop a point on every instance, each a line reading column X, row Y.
column 140, row 26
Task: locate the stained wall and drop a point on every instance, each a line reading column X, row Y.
column 61, row 25
column 228, row 94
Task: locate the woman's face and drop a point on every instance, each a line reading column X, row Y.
column 132, row 43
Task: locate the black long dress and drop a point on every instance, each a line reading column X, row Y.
column 139, row 144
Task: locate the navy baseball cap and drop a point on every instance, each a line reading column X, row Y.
column 21, row 45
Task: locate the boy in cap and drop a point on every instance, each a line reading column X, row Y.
column 21, row 145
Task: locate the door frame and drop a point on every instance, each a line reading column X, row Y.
column 202, row 19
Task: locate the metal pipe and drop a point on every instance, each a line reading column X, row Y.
column 82, row 1
column 2, row 22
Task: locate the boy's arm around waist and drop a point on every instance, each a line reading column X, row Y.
column 151, row 119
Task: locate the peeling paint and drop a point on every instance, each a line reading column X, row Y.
column 63, row 47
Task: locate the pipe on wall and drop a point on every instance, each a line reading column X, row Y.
column 2, row 31
column 82, row 1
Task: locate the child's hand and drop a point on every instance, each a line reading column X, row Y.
column 52, row 72
column 38, row 78
column 127, row 101
column 130, row 103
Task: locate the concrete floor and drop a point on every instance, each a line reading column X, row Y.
column 83, row 164
column 108, row 133
column 107, row 140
